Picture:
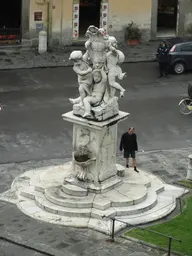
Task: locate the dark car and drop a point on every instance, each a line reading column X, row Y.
column 180, row 57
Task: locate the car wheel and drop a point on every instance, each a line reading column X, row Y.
column 179, row 68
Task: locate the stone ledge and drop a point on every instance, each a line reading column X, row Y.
column 94, row 124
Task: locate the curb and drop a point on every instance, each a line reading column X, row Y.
column 55, row 65
column 162, row 151
column 68, row 158
column 150, row 245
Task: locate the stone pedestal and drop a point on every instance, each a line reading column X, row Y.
column 189, row 171
column 101, row 140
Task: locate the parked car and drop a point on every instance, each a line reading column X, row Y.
column 180, row 54
column 180, row 57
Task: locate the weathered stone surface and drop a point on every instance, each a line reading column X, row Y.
column 100, row 113
column 97, row 71
column 189, row 170
column 101, row 140
column 18, row 227
column 133, row 202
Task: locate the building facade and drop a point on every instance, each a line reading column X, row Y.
column 66, row 20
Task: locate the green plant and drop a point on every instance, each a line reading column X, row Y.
column 132, row 32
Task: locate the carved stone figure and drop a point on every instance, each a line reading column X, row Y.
column 99, row 88
column 96, row 47
column 114, row 58
column 97, row 72
column 84, row 73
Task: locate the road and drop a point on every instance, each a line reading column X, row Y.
column 31, row 127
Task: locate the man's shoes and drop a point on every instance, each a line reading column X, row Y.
column 127, row 166
column 135, row 169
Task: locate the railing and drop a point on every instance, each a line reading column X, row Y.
column 10, row 35
column 170, row 238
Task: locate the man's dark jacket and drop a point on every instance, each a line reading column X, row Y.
column 162, row 54
column 128, row 142
column 190, row 90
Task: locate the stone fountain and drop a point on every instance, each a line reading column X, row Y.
column 87, row 191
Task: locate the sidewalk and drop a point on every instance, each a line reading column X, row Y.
column 59, row 57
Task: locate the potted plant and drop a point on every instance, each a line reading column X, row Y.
column 132, row 34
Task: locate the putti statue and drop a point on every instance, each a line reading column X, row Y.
column 97, row 71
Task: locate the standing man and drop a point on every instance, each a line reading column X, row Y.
column 163, row 58
column 129, row 145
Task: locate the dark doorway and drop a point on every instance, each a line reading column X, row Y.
column 10, row 21
column 89, row 14
column 167, row 17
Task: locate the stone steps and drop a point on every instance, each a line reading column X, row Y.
column 137, row 198
column 44, row 203
column 157, row 184
column 147, row 204
column 78, row 188
column 110, row 184
column 113, row 198
column 28, row 192
column 55, row 196
column 165, row 205
column 74, row 190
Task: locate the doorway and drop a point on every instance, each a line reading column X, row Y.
column 10, row 21
column 167, row 18
column 89, row 14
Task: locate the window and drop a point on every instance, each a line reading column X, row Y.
column 186, row 48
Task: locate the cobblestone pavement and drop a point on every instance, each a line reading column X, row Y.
column 7, row 249
column 29, row 58
column 169, row 165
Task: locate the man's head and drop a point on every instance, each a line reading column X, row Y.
column 131, row 130
column 97, row 76
column 163, row 43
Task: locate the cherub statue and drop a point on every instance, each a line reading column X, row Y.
column 96, row 46
column 84, row 73
column 114, row 58
column 98, row 92
column 99, row 88
column 91, row 33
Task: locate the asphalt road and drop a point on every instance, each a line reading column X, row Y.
column 31, row 127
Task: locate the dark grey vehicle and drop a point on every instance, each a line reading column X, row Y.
column 180, row 57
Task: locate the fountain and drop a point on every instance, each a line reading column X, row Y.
column 90, row 190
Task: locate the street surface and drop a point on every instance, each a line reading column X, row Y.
column 31, row 127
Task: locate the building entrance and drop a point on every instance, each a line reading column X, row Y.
column 10, row 21
column 89, row 14
column 167, row 18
